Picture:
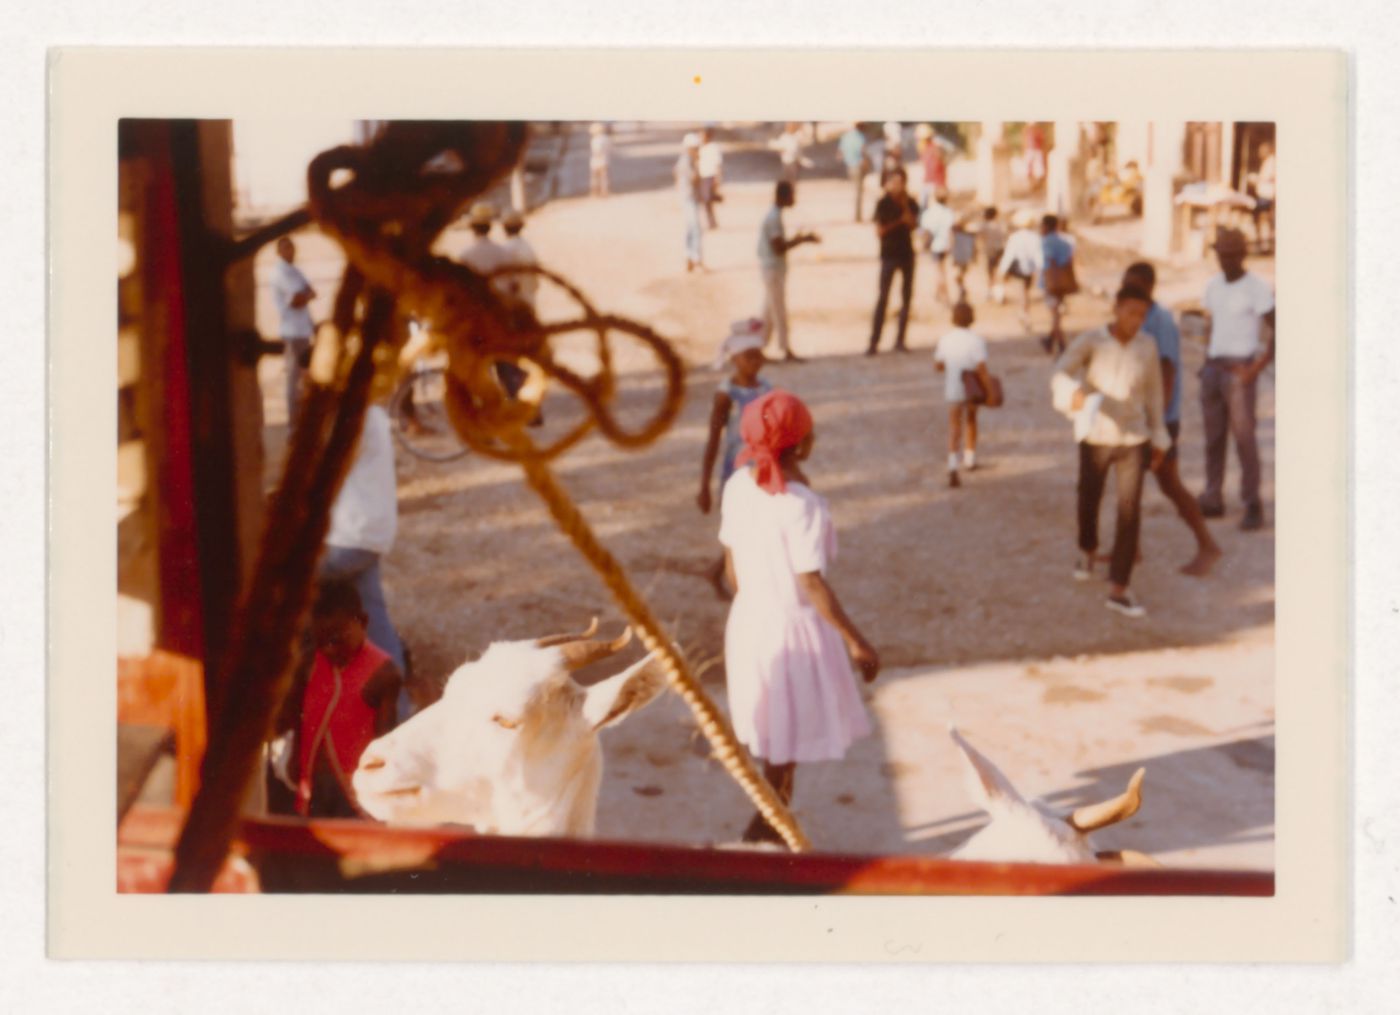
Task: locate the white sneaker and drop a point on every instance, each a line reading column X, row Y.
column 1126, row 605
column 1083, row 567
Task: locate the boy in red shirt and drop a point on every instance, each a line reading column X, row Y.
column 348, row 701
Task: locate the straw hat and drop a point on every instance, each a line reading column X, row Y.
column 482, row 214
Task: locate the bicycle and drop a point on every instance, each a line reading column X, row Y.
column 421, row 426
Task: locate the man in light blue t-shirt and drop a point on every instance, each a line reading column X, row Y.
column 293, row 294
column 773, row 246
column 1162, row 329
column 857, row 161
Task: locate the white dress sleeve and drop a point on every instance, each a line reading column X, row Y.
column 809, row 536
column 726, row 515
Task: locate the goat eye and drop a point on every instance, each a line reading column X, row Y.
column 503, row 722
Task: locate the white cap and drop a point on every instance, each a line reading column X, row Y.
column 691, row 140
column 743, row 336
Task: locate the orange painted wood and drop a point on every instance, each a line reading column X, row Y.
column 167, row 690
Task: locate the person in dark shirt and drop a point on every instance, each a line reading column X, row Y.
column 896, row 217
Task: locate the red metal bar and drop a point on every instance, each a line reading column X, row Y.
column 361, row 856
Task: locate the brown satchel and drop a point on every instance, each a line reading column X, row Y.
column 978, row 394
column 1060, row 280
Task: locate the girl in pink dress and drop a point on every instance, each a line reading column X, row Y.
column 792, row 695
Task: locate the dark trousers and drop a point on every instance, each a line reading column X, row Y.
column 1130, row 463
column 1227, row 405
column 888, row 266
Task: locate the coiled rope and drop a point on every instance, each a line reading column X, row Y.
column 405, row 188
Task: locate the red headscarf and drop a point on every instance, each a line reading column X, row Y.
column 770, row 425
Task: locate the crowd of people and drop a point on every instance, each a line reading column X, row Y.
column 792, row 652
column 791, row 691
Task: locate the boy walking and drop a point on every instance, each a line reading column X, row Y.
column 1118, row 364
column 1160, row 327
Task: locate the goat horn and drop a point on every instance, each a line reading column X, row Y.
column 1128, row 858
column 578, row 654
column 1120, row 808
column 563, row 639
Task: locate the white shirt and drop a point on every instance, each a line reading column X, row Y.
column 1128, row 376
column 287, row 281
column 938, row 220
column 1235, row 309
column 482, row 255
column 1023, row 248
column 959, row 350
column 365, row 515
column 516, row 251
column 789, row 147
column 711, row 158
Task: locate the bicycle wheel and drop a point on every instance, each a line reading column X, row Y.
column 420, row 419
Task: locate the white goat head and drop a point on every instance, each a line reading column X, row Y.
column 1024, row 831
column 511, row 748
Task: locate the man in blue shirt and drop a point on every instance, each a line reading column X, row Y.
column 852, row 147
column 1162, row 329
column 1057, row 253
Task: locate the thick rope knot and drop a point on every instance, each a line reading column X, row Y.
column 387, row 234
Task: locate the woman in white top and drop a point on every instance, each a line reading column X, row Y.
column 792, row 696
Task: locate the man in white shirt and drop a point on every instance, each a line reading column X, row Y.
column 1240, row 336
column 790, row 157
column 1023, row 258
column 364, row 520
column 773, row 245
column 482, row 255
column 1118, row 364
column 687, row 173
column 711, row 169
column 293, row 295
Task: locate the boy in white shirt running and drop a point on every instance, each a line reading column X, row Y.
column 959, row 350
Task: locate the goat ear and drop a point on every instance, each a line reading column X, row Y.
column 609, row 701
column 987, row 782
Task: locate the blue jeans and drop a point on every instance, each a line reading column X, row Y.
column 294, row 351
column 361, row 569
column 692, row 232
column 1227, row 405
